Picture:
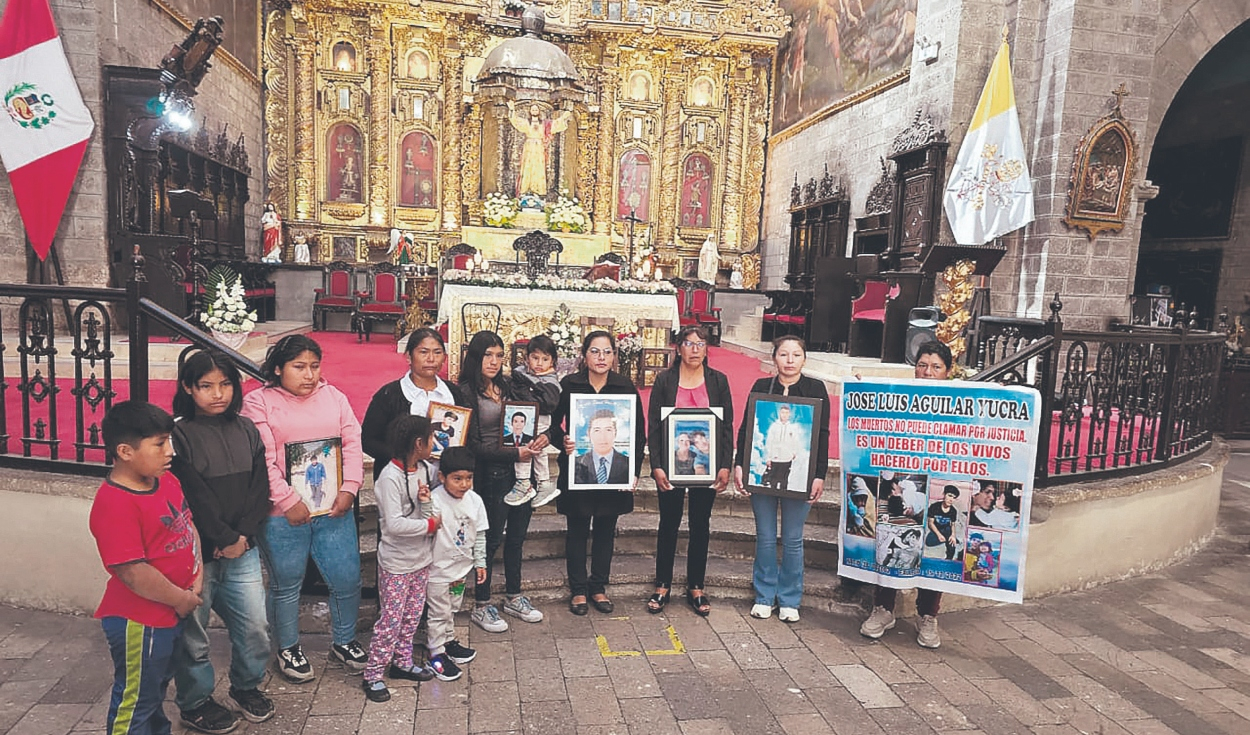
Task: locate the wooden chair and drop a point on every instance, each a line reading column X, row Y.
column 772, row 315
column 592, row 323
column 381, row 301
column 703, row 311
column 657, row 350
column 868, row 314
column 336, row 292
column 538, row 247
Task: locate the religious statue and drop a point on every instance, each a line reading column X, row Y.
column 301, row 249
column 532, row 177
column 709, row 261
column 350, row 178
column 735, row 278
column 271, row 232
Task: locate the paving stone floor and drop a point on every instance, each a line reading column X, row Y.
column 1167, row 652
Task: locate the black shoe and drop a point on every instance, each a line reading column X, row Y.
column 578, row 608
column 458, row 653
column 251, row 703
column 351, row 656
column 444, row 668
column 210, row 717
column 293, row 665
column 376, row 691
column 416, row 673
column 604, row 606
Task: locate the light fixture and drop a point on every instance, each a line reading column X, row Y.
column 178, row 110
column 927, row 49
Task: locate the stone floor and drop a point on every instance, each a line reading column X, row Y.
column 1167, row 652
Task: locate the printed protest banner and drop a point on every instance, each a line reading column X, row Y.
column 937, row 485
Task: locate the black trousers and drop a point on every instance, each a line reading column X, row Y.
column 928, row 602
column 602, row 545
column 515, row 519
column 672, row 504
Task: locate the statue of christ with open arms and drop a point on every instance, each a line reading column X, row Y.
column 532, row 177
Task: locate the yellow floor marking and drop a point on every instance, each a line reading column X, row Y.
column 606, row 651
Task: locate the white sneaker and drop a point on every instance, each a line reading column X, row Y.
column 547, row 492
column 520, row 607
column 788, row 614
column 487, row 618
column 927, row 632
column 763, row 612
column 520, row 493
column 878, row 623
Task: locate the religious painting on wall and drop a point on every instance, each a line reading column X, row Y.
column 634, row 187
column 1197, row 187
column 836, row 48
column 639, row 87
column 1099, row 188
column 344, row 164
column 418, row 65
column 416, row 171
column 344, row 56
column 696, row 188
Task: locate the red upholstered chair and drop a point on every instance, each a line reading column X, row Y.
column 335, row 293
column 793, row 319
column 772, row 315
column 703, row 311
column 383, row 301
column 868, row 311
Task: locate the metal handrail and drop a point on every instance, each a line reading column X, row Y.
column 197, row 337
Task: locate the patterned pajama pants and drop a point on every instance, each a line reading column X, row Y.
column 402, row 601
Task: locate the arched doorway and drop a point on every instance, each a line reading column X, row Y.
column 1195, row 243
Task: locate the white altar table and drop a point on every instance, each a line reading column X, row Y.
column 526, row 312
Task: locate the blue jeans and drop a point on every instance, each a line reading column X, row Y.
column 142, row 667
column 333, row 546
column 235, row 589
column 785, row 586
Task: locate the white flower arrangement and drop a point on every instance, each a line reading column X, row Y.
column 550, row 282
column 565, row 331
column 501, row 210
column 628, row 344
column 226, row 309
column 567, row 215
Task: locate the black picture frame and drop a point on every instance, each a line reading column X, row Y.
column 762, row 475
column 584, row 411
column 510, row 409
column 678, row 421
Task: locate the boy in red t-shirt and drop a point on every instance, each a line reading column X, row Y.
column 143, row 530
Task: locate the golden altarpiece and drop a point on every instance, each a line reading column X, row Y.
column 378, row 116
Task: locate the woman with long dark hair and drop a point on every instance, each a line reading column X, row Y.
column 598, row 508
column 411, row 394
column 484, row 388
column 295, row 409
column 689, row 383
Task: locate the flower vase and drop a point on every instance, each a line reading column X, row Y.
column 233, row 340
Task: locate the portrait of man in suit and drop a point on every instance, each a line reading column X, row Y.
column 602, row 465
column 516, row 436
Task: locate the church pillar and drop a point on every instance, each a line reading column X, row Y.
column 731, row 215
column 605, row 205
column 453, row 118
column 305, row 145
column 380, row 179
column 670, row 168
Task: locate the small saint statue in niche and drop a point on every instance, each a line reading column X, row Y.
column 302, row 256
column 709, row 261
column 536, row 150
column 735, row 278
column 271, row 232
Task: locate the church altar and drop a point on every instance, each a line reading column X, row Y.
column 526, row 312
column 495, row 243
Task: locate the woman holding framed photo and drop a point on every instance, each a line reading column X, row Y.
column 783, row 586
column 485, row 389
column 688, row 384
column 591, row 515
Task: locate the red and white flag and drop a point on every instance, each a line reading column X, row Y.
column 46, row 126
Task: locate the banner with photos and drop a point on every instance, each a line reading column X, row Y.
column 937, row 484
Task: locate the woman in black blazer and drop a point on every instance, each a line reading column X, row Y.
column 784, row 586
column 689, row 383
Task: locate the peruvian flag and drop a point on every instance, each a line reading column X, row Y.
column 45, row 126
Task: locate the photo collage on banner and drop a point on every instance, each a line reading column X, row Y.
column 937, row 484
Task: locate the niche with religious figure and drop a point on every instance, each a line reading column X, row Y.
column 417, row 65
column 344, row 164
column 417, row 171
column 529, row 149
column 344, row 56
column 634, row 185
column 696, row 188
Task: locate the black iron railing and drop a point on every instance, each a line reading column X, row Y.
column 40, row 440
column 1114, row 403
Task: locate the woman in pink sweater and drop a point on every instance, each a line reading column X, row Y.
column 312, row 443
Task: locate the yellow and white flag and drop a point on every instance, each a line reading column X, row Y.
column 990, row 193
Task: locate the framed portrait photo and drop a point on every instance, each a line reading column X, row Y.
column 314, row 470
column 520, row 423
column 691, row 435
column 450, row 423
column 603, row 430
column 782, row 431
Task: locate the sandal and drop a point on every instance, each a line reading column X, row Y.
column 658, row 601
column 578, row 608
column 699, row 602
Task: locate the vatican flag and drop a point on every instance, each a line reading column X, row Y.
column 990, row 192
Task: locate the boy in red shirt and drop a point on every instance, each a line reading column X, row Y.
column 149, row 546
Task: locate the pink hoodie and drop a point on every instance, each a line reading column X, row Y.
column 283, row 417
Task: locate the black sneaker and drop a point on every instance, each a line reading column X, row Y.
column 210, row 717
column 458, row 653
column 294, row 666
column 416, row 673
column 254, row 706
column 351, row 656
column 444, row 668
column 376, row 691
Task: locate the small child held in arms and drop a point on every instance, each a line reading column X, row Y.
column 459, row 548
column 219, row 459
column 408, row 523
column 148, row 544
column 537, row 376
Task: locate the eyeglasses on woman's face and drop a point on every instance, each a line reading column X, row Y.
column 694, row 345
column 600, row 351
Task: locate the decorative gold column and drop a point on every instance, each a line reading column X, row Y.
column 380, row 179
column 277, row 111
column 752, row 186
column 305, row 143
column 605, row 158
column 670, row 173
column 453, row 118
column 731, row 215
